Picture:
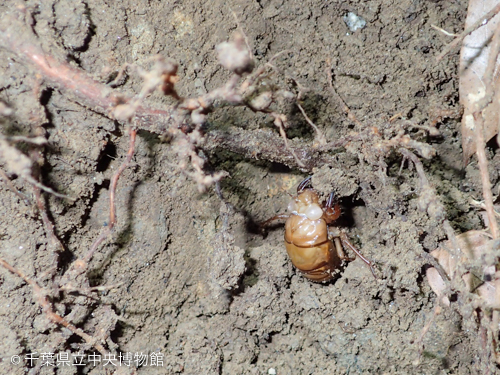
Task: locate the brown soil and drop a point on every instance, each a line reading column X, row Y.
column 196, row 281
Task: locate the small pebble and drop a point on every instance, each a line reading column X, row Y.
column 354, row 22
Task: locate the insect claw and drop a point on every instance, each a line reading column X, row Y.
column 303, row 184
column 330, row 201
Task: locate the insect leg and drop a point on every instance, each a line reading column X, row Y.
column 346, row 242
column 269, row 222
column 340, row 250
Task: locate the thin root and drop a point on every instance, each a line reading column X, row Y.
column 41, row 296
column 81, row 264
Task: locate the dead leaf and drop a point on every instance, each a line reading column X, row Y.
column 490, row 292
column 474, row 249
column 474, row 56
